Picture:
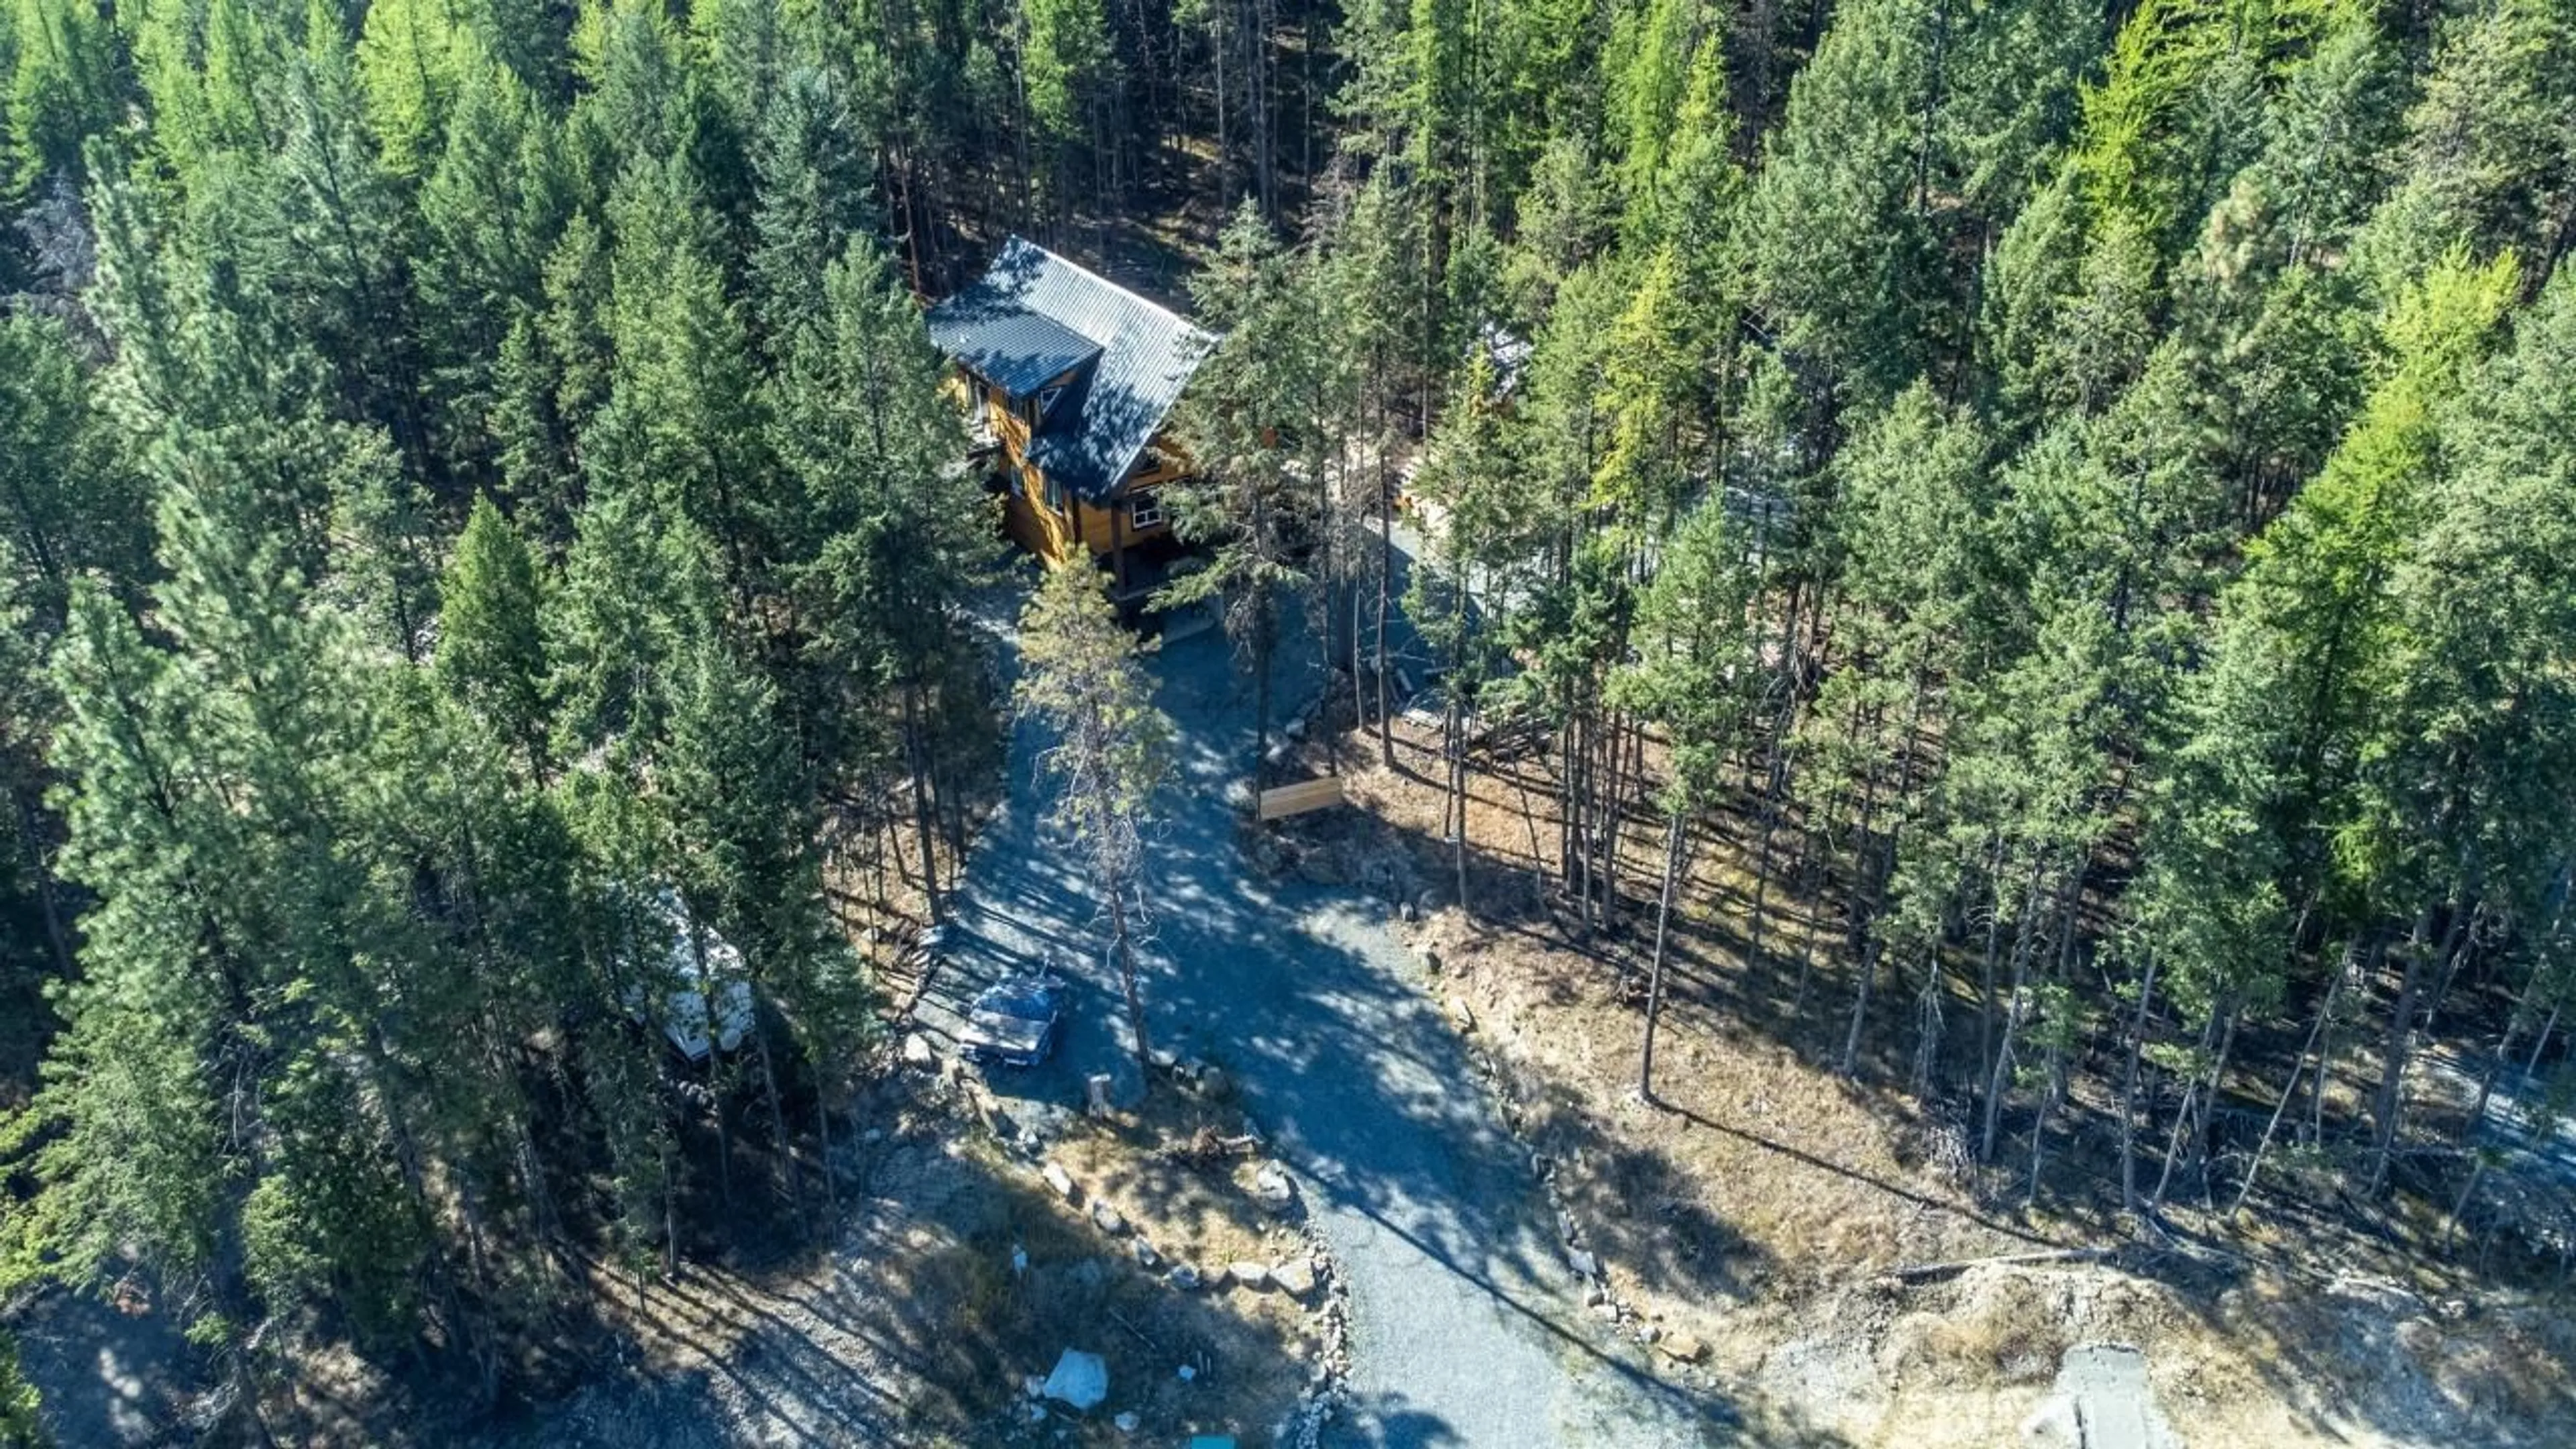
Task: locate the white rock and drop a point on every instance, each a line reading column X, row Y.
column 1251, row 1275
column 1031, row 1386
column 917, row 1052
column 1681, row 1347
column 1108, row 1219
column 1080, row 1379
column 1183, row 1277
column 1146, row 1257
column 2053, row 1425
column 1059, row 1179
column 1295, row 1277
column 1273, row 1188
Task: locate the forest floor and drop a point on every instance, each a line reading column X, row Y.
column 1762, row 1208
column 954, row 1273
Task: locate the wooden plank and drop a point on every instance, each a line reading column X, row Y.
column 1301, row 797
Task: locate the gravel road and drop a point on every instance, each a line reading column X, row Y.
column 1468, row 1327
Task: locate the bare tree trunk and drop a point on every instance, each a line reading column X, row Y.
column 2129, row 1085
column 1998, row 1073
column 2392, row 1073
column 1655, row 972
column 1124, row 945
column 917, row 760
column 2290, row 1088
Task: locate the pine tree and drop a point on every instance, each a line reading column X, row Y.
column 1112, row 752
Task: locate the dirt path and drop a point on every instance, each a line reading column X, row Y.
column 1469, row 1328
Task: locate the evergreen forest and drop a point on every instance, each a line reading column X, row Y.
column 2086, row 492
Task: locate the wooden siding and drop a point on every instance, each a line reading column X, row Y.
column 1052, row 533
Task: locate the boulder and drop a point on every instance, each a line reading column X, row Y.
column 1108, row 1219
column 1681, row 1347
column 917, row 1052
column 2053, row 1425
column 1080, row 1379
column 1127, row 1422
column 1059, row 1179
column 1183, row 1277
column 1146, row 1257
column 1585, row 1266
column 1295, row 1277
column 1273, row 1188
column 1255, row 1276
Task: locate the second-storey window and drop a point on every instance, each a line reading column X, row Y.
column 1144, row 511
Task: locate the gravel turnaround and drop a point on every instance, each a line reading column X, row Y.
column 1469, row 1328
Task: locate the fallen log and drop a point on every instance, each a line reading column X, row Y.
column 1929, row 1272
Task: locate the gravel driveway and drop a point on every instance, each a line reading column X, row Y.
column 1469, row 1328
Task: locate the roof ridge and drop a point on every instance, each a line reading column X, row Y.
column 1111, row 283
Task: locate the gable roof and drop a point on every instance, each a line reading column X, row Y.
column 1033, row 315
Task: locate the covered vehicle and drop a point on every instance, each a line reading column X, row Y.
column 1014, row 1023
column 695, row 965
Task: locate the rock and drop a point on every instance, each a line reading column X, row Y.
column 1146, row 1257
column 1183, row 1277
column 1108, row 1219
column 1649, row 1334
column 1565, row 1227
column 1187, row 1373
column 1080, row 1379
column 1096, row 1090
column 1032, row 1387
column 1295, row 1277
column 872, row 1136
column 1461, row 1013
column 1019, row 1260
column 1037, row 1413
column 1593, row 1296
column 1585, row 1266
column 1127, row 1422
column 1059, row 1179
column 1210, row 1081
column 917, row 1052
column 1405, row 912
column 2053, row 1425
column 1608, row 1310
column 1431, row 963
column 1680, row 1347
column 1164, row 1058
column 1255, row 1276
column 1273, row 1188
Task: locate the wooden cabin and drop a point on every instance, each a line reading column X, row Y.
column 1070, row 380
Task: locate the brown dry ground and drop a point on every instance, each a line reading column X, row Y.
column 915, row 1328
column 1761, row 1205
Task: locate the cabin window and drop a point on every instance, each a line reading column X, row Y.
column 1054, row 496
column 1046, row 399
column 1144, row 511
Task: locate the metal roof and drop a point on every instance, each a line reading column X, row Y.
column 1031, row 316
column 1014, row 351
